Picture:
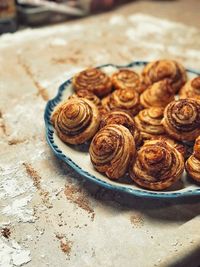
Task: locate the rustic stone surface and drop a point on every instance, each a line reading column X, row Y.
column 39, row 194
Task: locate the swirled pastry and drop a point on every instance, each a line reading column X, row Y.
column 193, row 163
column 191, row 89
column 148, row 121
column 111, row 150
column 93, row 80
column 182, row 119
column 157, row 95
column 76, row 120
column 122, row 118
column 88, row 95
column 127, row 79
column 157, row 166
column 165, row 69
column 123, row 99
column 178, row 145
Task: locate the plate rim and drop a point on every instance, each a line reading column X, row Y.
column 49, row 130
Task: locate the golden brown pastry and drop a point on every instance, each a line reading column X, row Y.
column 157, row 95
column 157, row 166
column 127, row 79
column 165, row 69
column 182, row 119
column 123, row 99
column 193, row 163
column 122, row 118
column 88, row 95
column 179, row 146
column 148, row 121
column 76, row 120
column 112, row 150
column 191, row 89
column 93, row 80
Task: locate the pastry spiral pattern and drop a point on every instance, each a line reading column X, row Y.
column 76, row 120
column 88, row 95
column 93, row 80
column 182, row 119
column 178, row 145
column 193, row 163
column 165, row 69
column 148, row 121
column 191, row 89
column 127, row 79
column 123, row 99
column 122, row 118
column 157, row 166
column 157, row 95
column 111, row 150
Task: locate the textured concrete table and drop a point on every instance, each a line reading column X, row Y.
column 49, row 216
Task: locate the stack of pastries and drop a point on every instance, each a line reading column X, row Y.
column 140, row 124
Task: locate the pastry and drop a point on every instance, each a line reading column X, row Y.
column 127, row 79
column 191, row 89
column 162, row 69
column 148, row 121
column 112, row 150
column 93, row 80
column 182, row 119
column 158, row 94
column 157, row 165
column 193, row 163
column 88, row 95
column 76, row 120
column 179, row 146
column 123, row 99
column 122, row 118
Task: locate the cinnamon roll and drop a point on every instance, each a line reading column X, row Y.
column 122, row 118
column 123, row 99
column 182, row 119
column 127, row 79
column 112, row 150
column 148, row 121
column 157, row 95
column 165, row 69
column 193, row 163
column 191, row 89
column 93, row 80
column 88, row 95
column 157, row 166
column 76, row 120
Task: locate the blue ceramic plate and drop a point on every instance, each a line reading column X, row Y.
column 80, row 161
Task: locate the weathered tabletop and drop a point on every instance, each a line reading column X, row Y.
column 49, row 215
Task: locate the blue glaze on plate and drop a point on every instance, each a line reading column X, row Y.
column 140, row 192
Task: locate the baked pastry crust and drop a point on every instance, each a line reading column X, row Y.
column 123, row 99
column 127, row 79
column 122, row 118
column 182, row 119
column 93, row 80
column 165, row 69
column 191, row 89
column 76, row 120
column 178, row 145
column 193, row 163
column 158, row 94
column 148, row 121
column 88, row 95
column 111, row 150
column 157, row 166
